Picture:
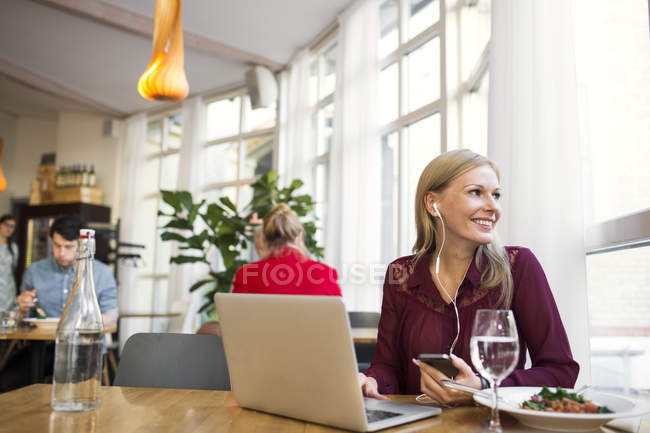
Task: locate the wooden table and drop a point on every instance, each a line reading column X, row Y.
column 38, row 335
column 364, row 335
column 147, row 315
column 131, row 410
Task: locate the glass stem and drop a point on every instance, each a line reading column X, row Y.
column 495, row 423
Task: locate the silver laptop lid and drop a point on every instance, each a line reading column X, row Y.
column 292, row 355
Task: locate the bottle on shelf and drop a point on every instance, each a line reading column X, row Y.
column 92, row 177
column 79, row 338
column 84, row 176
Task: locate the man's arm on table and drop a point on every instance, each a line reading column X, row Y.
column 25, row 300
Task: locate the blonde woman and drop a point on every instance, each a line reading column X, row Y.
column 460, row 267
column 285, row 268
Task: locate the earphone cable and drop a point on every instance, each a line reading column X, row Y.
column 452, row 300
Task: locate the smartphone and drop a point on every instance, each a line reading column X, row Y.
column 441, row 362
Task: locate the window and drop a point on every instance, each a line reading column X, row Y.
column 613, row 92
column 321, row 94
column 160, row 171
column 240, row 146
column 411, row 95
column 474, row 76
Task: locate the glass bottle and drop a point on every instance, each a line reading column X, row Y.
column 79, row 338
column 84, row 176
column 92, row 177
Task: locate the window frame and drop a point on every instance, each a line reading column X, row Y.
column 400, row 124
column 320, row 103
column 160, row 156
column 239, row 138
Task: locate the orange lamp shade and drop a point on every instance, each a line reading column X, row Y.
column 3, row 181
column 164, row 79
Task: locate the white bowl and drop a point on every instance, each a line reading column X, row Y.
column 565, row 422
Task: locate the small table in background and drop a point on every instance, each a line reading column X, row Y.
column 364, row 335
column 38, row 336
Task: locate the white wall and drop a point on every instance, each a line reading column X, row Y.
column 80, row 141
column 22, row 156
column 76, row 138
column 8, row 127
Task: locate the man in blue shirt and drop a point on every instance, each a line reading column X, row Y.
column 50, row 280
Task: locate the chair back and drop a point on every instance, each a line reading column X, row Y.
column 363, row 319
column 364, row 351
column 166, row 360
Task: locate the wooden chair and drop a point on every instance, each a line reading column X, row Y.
column 166, row 360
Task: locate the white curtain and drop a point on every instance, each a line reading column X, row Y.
column 533, row 137
column 181, row 277
column 353, row 226
column 132, row 160
column 296, row 142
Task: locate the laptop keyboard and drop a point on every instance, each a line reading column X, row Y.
column 378, row 415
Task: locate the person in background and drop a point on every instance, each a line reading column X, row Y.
column 284, row 267
column 475, row 272
column 258, row 241
column 50, row 280
column 8, row 262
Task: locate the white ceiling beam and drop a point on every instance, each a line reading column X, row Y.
column 123, row 19
column 35, row 81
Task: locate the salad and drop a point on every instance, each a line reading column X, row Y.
column 562, row 401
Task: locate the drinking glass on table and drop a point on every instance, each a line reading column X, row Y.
column 494, row 349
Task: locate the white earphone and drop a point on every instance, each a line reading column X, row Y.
column 452, row 300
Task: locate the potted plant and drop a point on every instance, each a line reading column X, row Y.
column 200, row 228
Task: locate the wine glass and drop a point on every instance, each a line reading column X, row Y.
column 494, row 349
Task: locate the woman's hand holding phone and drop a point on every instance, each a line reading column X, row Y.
column 430, row 382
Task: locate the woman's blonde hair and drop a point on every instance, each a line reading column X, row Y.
column 282, row 228
column 435, row 177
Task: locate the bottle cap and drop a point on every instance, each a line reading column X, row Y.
column 87, row 233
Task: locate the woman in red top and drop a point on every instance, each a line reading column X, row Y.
column 285, row 268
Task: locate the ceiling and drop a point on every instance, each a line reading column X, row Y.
column 55, row 59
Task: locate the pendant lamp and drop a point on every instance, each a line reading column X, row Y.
column 164, row 79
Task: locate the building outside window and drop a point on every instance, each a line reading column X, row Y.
column 614, row 113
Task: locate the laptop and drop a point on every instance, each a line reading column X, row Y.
column 293, row 356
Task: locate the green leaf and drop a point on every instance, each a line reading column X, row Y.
column 192, row 214
column 186, row 259
column 172, row 199
column 185, row 198
column 295, row 184
column 198, row 284
column 226, row 201
column 172, row 236
column 179, row 223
